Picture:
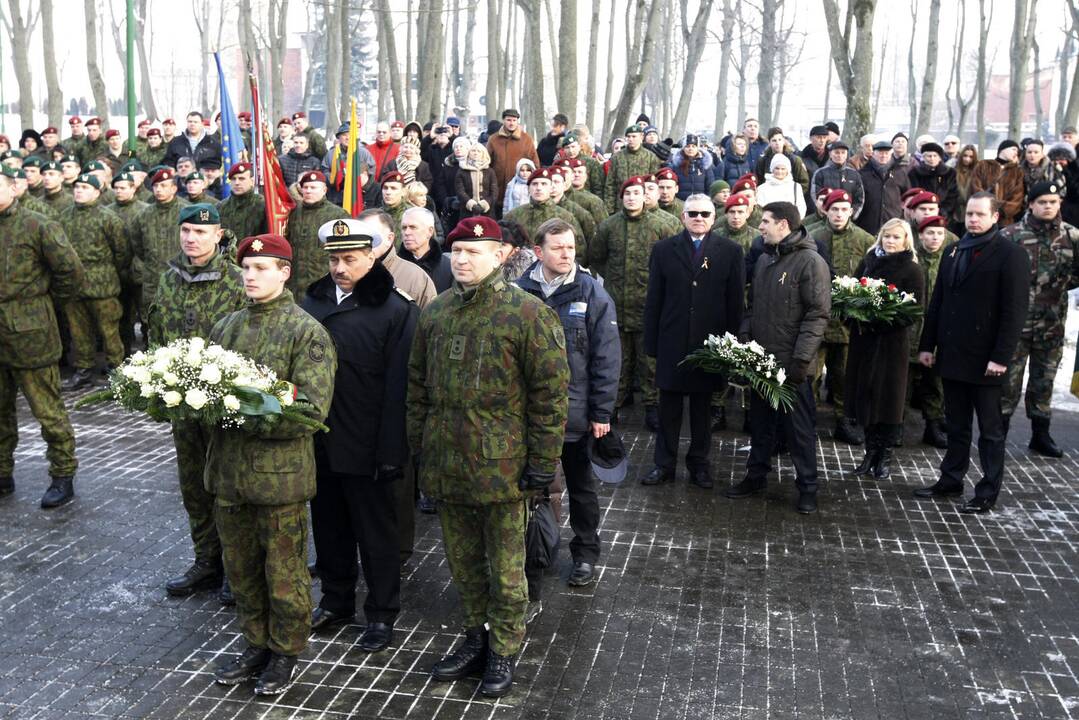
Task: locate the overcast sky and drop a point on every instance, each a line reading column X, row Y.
column 176, row 62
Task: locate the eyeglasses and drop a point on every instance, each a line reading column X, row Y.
column 698, row 213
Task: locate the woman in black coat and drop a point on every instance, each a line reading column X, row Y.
column 877, row 358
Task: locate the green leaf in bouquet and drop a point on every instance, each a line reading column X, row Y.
column 256, row 403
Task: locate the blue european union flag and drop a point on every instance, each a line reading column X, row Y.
column 232, row 141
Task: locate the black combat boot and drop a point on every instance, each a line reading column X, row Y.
column 82, row 377
column 224, row 595
column 1041, row 441
column 243, row 667
column 468, row 658
column 651, row 417
column 934, row 434
column 498, row 677
column 202, row 575
column 7, row 485
column 60, row 492
column 846, row 430
column 882, row 468
column 277, row 675
column 872, row 453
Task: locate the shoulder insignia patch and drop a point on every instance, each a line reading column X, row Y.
column 316, row 351
column 403, row 294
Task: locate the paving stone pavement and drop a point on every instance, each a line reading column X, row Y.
column 879, row 606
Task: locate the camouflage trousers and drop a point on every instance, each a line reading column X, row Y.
column 41, row 388
column 265, row 552
column 636, row 365
column 832, row 356
column 925, row 391
column 1045, row 356
column 485, row 549
column 90, row 319
column 191, row 440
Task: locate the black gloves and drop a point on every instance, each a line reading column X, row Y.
column 534, row 480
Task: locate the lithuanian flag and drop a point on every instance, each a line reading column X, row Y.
column 352, row 197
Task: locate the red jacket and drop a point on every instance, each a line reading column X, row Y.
column 383, row 154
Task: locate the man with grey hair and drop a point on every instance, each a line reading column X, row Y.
column 419, row 247
column 383, row 149
column 865, row 152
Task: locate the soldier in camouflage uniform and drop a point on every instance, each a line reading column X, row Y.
column 847, row 244
column 244, row 210
column 620, row 253
column 153, row 234
column 1053, row 248
column 32, row 167
column 308, row 259
column 200, row 287
column 55, row 196
column 71, row 167
column 97, row 235
column 671, row 225
column 560, row 179
column 154, row 153
column 101, row 171
column 818, row 218
column 667, row 181
column 127, row 206
column 393, row 200
column 35, row 261
column 924, row 389
column 487, row 405
column 541, row 207
column 315, row 142
column 26, row 200
column 634, row 160
column 94, row 146
column 195, row 183
column 138, row 173
column 594, row 175
column 263, row 473
column 577, row 191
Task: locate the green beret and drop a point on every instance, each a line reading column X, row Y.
column 569, row 138
column 195, row 176
column 13, row 172
column 91, row 166
column 125, row 177
column 7, row 154
column 88, row 179
column 200, row 214
column 51, row 165
column 633, row 129
column 69, row 159
column 33, row 161
column 132, row 165
column 717, row 186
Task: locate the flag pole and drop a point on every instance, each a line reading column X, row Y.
column 132, row 103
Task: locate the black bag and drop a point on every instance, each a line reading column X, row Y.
column 541, row 535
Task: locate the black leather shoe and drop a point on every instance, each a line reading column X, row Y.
column 61, row 491
column 468, row 658
column 651, row 418
column 934, row 434
column 81, row 378
column 658, row 476
column 243, row 667
column 7, row 485
column 976, row 506
column 583, row 574
column 277, row 675
column 866, row 466
column 807, row 503
column 1041, row 441
column 936, row 490
column 224, row 595
column 376, row 636
column 202, row 575
column 745, row 488
column 323, row 620
column 882, row 468
column 701, row 477
column 846, row 431
column 426, row 505
column 498, row 676
column 719, row 419
column 535, row 607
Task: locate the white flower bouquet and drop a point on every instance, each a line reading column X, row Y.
column 748, row 362
column 872, row 300
column 192, row 380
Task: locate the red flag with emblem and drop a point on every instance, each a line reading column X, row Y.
column 278, row 201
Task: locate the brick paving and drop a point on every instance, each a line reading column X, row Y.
column 879, row 606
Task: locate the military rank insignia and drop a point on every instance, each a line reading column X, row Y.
column 340, row 228
column 204, row 215
column 257, row 246
column 457, row 345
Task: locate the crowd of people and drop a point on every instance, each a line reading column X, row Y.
column 472, row 334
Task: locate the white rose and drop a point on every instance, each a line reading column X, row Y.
column 138, row 357
column 195, row 344
column 160, row 365
column 170, row 378
column 286, row 395
column 231, row 402
column 210, row 374
column 146, row 391
column 172, row 398
column 196, row 398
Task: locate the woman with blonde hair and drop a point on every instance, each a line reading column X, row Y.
column 476, row 184
column 877, row 359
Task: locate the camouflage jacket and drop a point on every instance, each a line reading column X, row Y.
column 930, row 264
column 488, row 392
column 273, row 463
column 150, row 157
column 191, row 299
column 36, row 204
column 754, row 220
column 244, row 215
column 671, row 225
column 620, row 252
column 532, row 214
column 1053, row 249
column 589, row 202
column 91, row 149
column 155, row 238
column 97, row 234
column 308, row 258
column 596, row 177
column 846, row 249
column 584, row 220
column 58, row 201
column 626, row 164
column 315, row 142
column 675, row 208
column 744, row 236
column 128, row 211
column 37, row 191
column 36, row 261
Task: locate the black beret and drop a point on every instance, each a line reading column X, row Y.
column 818, row 130
column 1044, row 187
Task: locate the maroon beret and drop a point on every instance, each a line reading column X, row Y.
column 922, row 198
column 837, row 196
column 394, row 177
column 162, row 175
column 239, row 168
column 932, row 221
column 735, row 201
column 312, row 176
column 667, row 174
column 268, row 245
column 475, row 228
column 543, row 173
column 635, row 181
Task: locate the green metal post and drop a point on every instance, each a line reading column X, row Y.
column 132, row 105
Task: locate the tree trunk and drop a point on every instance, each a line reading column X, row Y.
column 593, row 53
column 149, row 107
column 97, row 83
column 201, row 11
column 278, row 31
column 694, row 39
column 855, row 70
column 552, row 39
column 55, row 101
column 19, row 37
column 532, row 95
column 925, row 110
column 745, row 52
column 827, row 93
column 726, row 44
column 567, row 58
column 1071, row 108
column 1019, row 57
column 880, row 80
column 767, row 66
column 333, row 68
column 912, row 83
column 345, row 40
column 1039, row 111
column 431, row 62
column 980, row 80
column 608, row 88
column 636, row 76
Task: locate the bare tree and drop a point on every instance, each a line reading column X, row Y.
column 746, row 31
column 593, row 52
column 609, row 85
column 567, row 59
column 726, row 43
column 1019, row 57
column 1039, row 110
column 912, row 83
column 430, row 60
column 694, row 38
column 956, row 76
column 468, row 72
column 20, row 26
column 277, row 17
column 880, row 80
column 495, row 57
column 855, row 70
column 1070, row 113
column 334, row 12
column 201, row 10
column 984, row 20
column 97, row 82
column 532, row 92
column 925, row 109
column 766, row 67
column 641, row 54
column 787, row 56
column 149, row 107
column 55, row 96
column 556, row 76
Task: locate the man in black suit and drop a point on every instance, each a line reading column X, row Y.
column 972, row 327
column 696, row 283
